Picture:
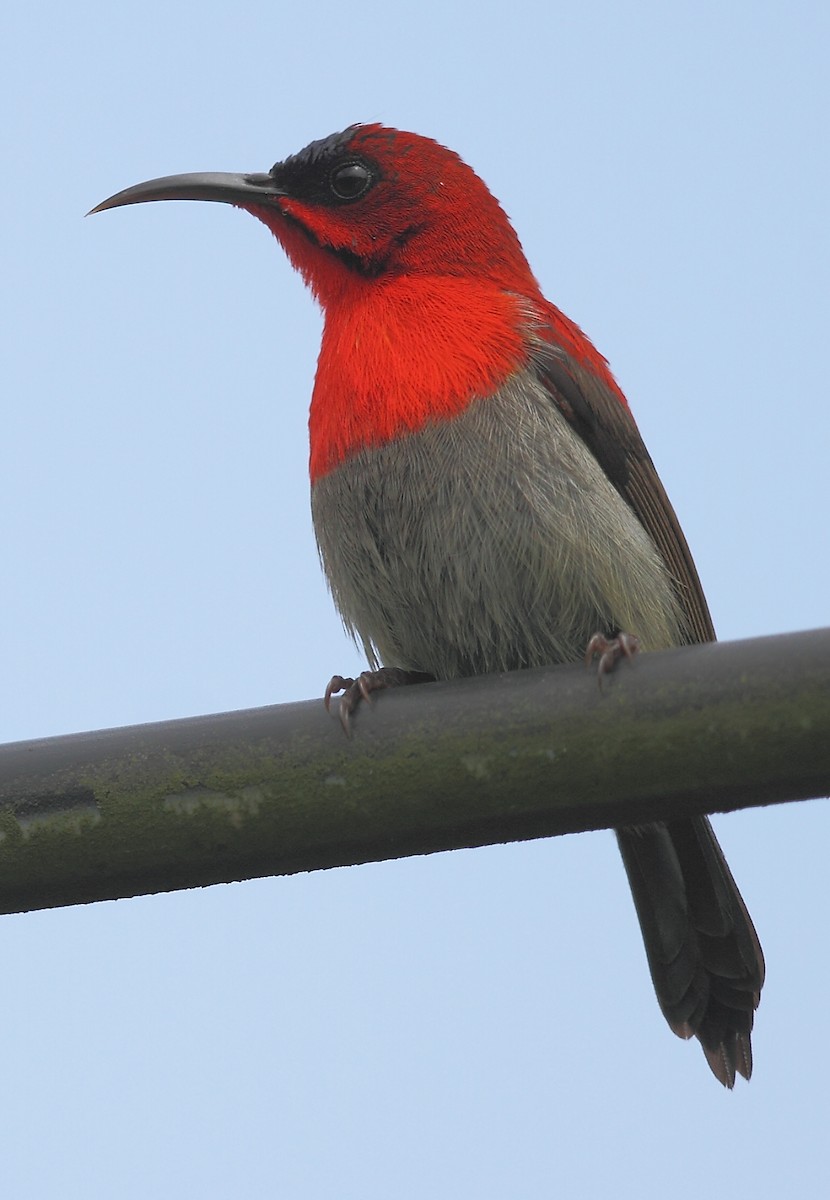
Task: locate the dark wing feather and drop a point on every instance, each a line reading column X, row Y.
column 610, row 433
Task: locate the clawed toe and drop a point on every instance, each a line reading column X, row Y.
column 610, row 651
column 355, row 690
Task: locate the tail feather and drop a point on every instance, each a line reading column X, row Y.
column 703, row 952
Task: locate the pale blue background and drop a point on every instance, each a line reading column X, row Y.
column 472, row 1024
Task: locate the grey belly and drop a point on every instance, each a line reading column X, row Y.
column 488, row 543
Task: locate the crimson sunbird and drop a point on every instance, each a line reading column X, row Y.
column 482, row 498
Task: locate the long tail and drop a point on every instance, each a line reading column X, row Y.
column 705, row 958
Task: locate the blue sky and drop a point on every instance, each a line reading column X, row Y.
column 480, row 1022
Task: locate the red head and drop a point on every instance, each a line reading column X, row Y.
column 374, row 202
column 428, row 295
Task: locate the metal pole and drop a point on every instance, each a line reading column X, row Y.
column 436, row 767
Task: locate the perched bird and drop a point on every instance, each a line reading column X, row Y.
column 481, row 496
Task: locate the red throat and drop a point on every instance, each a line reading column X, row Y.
column 405, row 351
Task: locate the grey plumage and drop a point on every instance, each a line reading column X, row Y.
column 488, row 543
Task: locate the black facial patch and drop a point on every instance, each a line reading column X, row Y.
column 307, row 175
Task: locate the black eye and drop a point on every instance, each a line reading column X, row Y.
column 350, row 181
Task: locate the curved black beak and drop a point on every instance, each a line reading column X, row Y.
column 224, row 187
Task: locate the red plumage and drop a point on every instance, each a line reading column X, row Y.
column 444, row 318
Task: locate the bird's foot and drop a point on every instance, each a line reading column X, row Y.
column 355, row 690
column 610, row 651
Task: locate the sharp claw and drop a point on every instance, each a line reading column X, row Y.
column 593, row 647
column 345, row 712
column 629, row 644
column 337, row 683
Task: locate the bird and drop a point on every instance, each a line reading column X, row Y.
column 481, row 495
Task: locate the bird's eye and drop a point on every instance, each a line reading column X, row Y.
column 350, row 181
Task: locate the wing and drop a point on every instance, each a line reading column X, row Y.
column 607, row 428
